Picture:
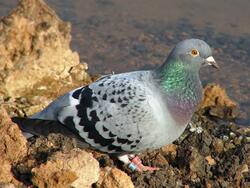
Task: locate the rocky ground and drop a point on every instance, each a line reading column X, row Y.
column 37, row 65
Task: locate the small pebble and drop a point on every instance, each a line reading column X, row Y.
column 192, row 129
column 225, row 138
column 229, row 146
column 240, row 137
column 199, row 130
column 232, row 135
column 237, row 141
column 248, row 139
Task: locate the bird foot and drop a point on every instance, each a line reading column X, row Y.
column 136, row 165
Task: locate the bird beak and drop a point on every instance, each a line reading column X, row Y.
column 210, row 61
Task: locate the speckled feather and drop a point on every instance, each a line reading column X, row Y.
column 131, row 112
column 116, row 114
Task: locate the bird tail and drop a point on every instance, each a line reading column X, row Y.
column 39, row 127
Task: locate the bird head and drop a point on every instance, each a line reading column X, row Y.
column 193, row 53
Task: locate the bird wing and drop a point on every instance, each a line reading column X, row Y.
column 114, row 113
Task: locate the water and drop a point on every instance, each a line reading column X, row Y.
column 119, row 36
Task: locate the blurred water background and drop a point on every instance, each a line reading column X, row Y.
column 125, row 35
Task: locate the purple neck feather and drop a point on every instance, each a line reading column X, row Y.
column 182, row 105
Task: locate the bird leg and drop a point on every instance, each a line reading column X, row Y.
column 135, row 164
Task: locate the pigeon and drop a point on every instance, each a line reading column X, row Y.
column 127, row 113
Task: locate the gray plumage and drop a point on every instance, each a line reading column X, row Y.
column 131, row 112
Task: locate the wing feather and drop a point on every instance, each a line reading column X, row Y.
column 111, row 112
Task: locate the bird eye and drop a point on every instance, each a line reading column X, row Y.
column 194, row 52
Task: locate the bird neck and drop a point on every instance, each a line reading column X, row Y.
column 182, row 89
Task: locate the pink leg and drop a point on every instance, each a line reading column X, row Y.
column 136, row 165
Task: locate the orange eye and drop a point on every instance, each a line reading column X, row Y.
column 194, row 52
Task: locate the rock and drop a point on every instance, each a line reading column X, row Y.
column 210, row 160
column 75, row 168
column 36, row 62
column 12, row 143
column 7, row 185
column 165, row 177
column 78, row 73
column 5, row 171
column 239, row 174
column 170, row 150
column 39, row 151
column 6, row 177
column 35, row 45
column 160, row 160
column 62, row 178
column 197, row 164
column 53, row 142
column 115, row 178
column 218, row 145
column 217, row 102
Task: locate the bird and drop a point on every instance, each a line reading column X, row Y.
column 127, row 113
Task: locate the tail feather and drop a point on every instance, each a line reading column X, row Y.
column 41, row 127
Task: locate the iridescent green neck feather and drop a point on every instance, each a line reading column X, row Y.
column 181, row 85
column 180, row 78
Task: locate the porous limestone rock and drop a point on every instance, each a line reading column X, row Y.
column 75, row 168
column 35, row 45
column 115, row 178
column 12, row 143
